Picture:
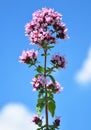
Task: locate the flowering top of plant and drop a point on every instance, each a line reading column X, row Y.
column 43, row 30
column 28, row 57
column 46, row 27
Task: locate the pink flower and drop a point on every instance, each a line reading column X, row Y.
column 28, row 56
column 58, row 61
column 38, row 82
column 55, row 88
column 41, row 37
column 43, row 23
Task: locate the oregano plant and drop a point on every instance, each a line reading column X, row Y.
column 43, row 30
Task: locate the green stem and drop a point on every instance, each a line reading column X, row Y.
column 51, row 70
column 46, row 103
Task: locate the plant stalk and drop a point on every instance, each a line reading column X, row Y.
column 46, row 102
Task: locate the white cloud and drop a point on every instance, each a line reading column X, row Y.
column 16, row 117
column 84, row 74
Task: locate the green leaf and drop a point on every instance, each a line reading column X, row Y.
column 45, row 55
column 49, row 47
column 39, row 129
column 41, row 92
column 50, row 95
column 41, row 100
column 51, row 107
column 40, row 105
column 40, row 69
column 50, row 70
column 39, row 108
column 52, row 78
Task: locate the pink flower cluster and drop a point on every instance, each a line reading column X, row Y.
column 38, row 82
column 28, row 56
column 55, row 88
column 44, row 25
column 58, row 61
column 41, row 81
column 37, row 120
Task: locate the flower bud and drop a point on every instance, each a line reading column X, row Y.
column 37, row 120
column 58, row 61
column 57, row 122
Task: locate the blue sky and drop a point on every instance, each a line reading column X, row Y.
column 74, row 103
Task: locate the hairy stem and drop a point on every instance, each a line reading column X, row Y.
column 46, row 103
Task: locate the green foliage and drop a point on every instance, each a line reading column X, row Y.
column 41, row 128
column 45, row 54
column 49, row 95
column 51, row 107
column 50, row 70
column 49, row 47
column 52, row 127
column 40, row 69
column 52, row 78
column 40, row 105
column 41, row 93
